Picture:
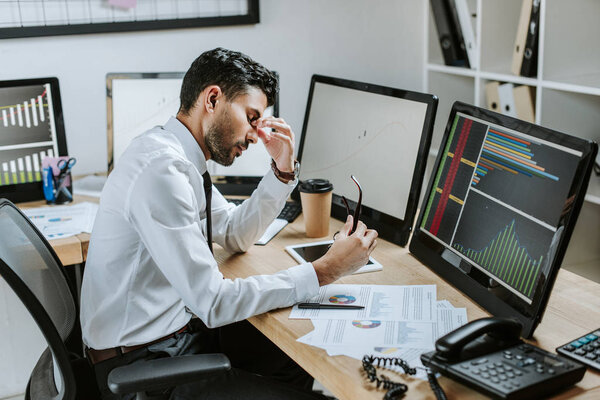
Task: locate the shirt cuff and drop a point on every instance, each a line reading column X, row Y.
column 307, row 283
column 277, row 188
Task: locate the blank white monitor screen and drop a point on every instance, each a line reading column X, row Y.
column 138, row 102
column 371, row 132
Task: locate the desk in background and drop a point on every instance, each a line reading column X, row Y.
column 573, row 309
column 71, row 250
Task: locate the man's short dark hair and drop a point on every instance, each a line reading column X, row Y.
column 232, row 71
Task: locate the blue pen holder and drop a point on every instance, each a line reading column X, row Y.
column 57, row 180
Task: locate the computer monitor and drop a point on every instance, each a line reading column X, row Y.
column 500, row 208
column 31, row 128
column 381, row 135
column 140, row 101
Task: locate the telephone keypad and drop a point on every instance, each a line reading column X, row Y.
column 512, row 372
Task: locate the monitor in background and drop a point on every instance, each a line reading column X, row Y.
column 500, row 208
column 380, row 135
column 137, row 102
column 31, row 128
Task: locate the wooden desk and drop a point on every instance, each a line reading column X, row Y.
column 574, row 309
column 71, row 250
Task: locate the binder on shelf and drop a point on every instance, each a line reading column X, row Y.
column 492, row 100
column 458, row 35
column 519, row 47
column 447, row 34
column 469, row 45
column 507, row 100
column 524, row 104
column 526, row 43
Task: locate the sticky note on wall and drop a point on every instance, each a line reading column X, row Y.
column 123, row 3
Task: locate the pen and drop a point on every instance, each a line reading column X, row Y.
column 328, row 306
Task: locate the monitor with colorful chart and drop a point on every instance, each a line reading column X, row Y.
column 500, row 208
column 31, row 128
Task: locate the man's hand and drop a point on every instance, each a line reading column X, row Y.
column 279, row 142
column 347, row 254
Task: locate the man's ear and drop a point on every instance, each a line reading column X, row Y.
column 212, row 95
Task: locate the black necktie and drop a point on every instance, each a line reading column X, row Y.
column 208, row 195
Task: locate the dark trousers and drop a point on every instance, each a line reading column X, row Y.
column 260, row 370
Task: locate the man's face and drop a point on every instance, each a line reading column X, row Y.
column 234, row 127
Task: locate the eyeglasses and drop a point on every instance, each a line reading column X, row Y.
column 356, row 212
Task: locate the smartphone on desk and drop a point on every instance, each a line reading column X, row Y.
column 488, row 355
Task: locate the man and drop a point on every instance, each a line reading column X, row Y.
column 150, row 266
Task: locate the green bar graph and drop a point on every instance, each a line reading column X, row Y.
column 508, row 260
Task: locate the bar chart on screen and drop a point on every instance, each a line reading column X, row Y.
column 497, row 201
column 27, row 133
column 511, row 247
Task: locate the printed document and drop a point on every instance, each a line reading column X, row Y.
column 381, row 302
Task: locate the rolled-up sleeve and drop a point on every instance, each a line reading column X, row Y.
column 163, row 207
column 238, row 228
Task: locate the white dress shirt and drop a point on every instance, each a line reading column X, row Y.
column 149, row 266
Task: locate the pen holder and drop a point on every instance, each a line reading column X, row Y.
column 56, row 179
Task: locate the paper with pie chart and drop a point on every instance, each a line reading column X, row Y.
column 338, row 337
column 383, row 333
column 383, row 337
column 381, row 302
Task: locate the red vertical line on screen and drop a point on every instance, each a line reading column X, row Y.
column 460, row 146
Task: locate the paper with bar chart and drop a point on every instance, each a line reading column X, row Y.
column 497, row 200
column 27, row 132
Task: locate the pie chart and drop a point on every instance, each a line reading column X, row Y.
column 342, row 299
column 366, row 324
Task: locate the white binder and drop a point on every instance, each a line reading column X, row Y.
column 507, row 100
column 464, row 18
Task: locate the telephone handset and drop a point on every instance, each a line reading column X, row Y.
column 488, row 355
column 481, row 336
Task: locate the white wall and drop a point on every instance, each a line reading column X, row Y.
column 374, row 41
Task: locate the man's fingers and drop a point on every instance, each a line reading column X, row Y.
column 282, row 137
column 347, row 226
column 361, row 228
column 277, row 124
column 262, row 135
column 371, row 234
column 372, row 247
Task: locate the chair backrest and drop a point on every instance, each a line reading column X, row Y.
column 33, row 271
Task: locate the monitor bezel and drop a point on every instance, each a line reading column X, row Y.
column 429, row 251
column 393, row 229
column 112, row 76
column 22, row 192
column 226, row 184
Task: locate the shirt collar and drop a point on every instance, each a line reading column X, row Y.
column 191, row 148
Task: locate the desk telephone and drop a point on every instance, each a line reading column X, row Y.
column 488, row 355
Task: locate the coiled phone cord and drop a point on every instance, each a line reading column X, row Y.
column 435, row 386
column 396, row 390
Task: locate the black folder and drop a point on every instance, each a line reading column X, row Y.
column 525, row 57
column 448, row 31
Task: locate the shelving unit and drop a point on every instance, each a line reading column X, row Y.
column 567, row 86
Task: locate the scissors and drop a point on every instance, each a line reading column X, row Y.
column 65, row 167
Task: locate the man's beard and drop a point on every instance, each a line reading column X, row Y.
column 218, row 141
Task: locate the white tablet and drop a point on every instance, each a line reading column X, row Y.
column 309, row 252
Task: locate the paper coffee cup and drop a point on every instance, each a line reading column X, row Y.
column 315, row 195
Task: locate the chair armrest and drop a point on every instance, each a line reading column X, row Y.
column 162, row 373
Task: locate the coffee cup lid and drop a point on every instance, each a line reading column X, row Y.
column 315, row 186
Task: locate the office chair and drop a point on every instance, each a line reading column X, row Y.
column 35, row 274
